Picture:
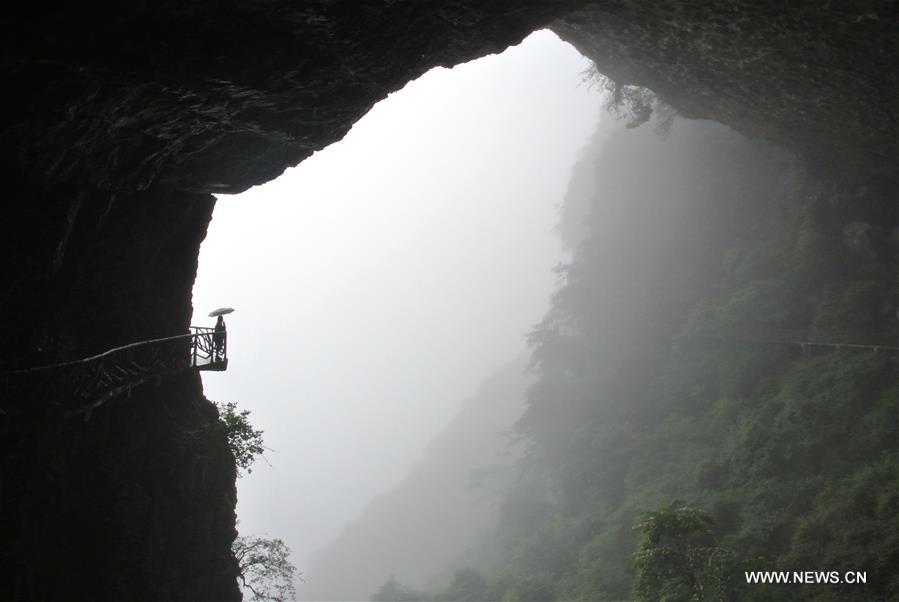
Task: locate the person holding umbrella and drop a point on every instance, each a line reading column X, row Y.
column 218, row 336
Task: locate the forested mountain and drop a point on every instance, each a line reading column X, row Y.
column 655, row 382
column 431, row 521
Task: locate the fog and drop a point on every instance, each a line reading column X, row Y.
column 440, row 517
column 382, row 280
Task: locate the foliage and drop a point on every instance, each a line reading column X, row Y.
column 244, row 441
column 677, row 559
column 468, row 585
column 635, row 104
column 265, row 568
column 394, row 591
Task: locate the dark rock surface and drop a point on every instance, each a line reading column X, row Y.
column 135, row 504
column 118, row 124
column 812, row 76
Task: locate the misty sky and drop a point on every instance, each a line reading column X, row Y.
column 379, row 282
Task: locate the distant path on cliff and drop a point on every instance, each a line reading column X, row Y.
column 804, row 339
column 91, row 381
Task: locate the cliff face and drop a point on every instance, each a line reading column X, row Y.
column 119, row 124
column 135, row 504
column 813, row 78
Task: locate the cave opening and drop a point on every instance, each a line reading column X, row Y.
column 378, row 282
column 120, row 126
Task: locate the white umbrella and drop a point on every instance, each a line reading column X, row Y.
column 221, row 311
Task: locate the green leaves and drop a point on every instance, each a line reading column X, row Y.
column 244, row 441
column 677, row 559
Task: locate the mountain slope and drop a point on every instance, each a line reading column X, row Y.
column 652, row 384
column 422, row 527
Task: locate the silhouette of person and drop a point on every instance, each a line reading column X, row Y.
column 218, row 340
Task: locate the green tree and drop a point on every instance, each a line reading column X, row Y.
column 265, row 568
column 244, row 441
column 677, row 559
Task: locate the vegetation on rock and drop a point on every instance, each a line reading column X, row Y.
column 651, row 385
column 677, row 558
column 244, row 441
column 265, row 568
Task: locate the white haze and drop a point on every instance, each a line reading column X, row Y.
column 378, row 283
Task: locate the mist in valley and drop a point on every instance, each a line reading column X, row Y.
column 382, row 280
column 691, row 370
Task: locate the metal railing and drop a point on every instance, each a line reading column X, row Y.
column 209, row 350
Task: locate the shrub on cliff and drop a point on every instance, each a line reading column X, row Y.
column 265, row 570
column 244, row 441
column 677, row 558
